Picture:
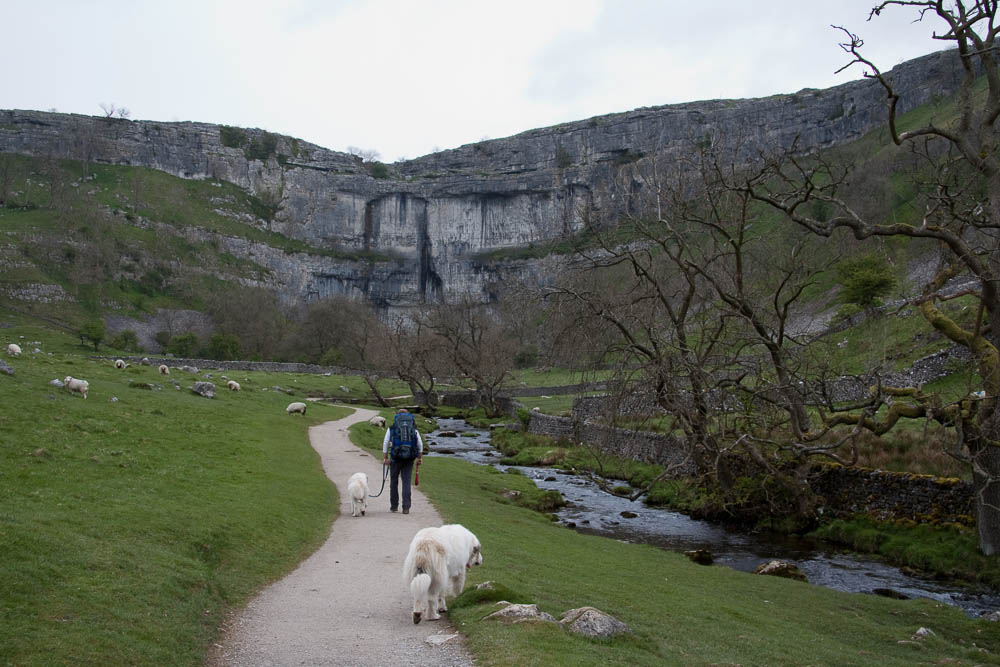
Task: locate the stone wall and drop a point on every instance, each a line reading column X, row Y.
column 846, row 490
column 642, row 446
column 893, row 495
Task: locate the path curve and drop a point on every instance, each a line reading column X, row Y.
column 346, row 604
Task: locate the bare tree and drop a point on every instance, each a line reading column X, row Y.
column 414, row 353
column 961, row 216
column 477, row 347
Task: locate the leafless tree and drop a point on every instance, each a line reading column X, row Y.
column 477, row 347
column 961, row 216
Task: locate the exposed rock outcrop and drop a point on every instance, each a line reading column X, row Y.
column 433, row 219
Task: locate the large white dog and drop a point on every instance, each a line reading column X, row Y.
column 435, row 567
column 357, row 488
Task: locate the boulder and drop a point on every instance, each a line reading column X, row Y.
column 778, row 568
column 518, row 613
column 4, row 368
column 206, row 389
column 700, row 556
column 593, row 622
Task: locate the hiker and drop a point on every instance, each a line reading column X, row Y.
column 401, row 446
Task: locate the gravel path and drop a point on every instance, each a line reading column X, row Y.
column 346, row 604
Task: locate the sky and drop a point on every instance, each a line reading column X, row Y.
column 410, row 77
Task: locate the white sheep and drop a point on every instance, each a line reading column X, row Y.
column 377, row 420
column 14, row 350
column 296, row 407
column 120, row 363
column 233, row 385
column 164, row 370
column 79, row 386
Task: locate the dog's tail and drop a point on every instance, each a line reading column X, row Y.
column 419, row 587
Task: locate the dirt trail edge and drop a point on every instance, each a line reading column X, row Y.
column 346, row 604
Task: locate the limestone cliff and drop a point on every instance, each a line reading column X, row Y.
column 434, row 215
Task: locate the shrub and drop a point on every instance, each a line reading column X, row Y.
column 378, row 170
column 126, row 340
column 232, row 137
column 183, row 345
column 865, row 280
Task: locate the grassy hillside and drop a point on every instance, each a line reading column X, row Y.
column 130, row 521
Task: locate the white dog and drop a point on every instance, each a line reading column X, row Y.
column 435, row 567
column 357, row 488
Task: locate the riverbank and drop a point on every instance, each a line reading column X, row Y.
column 680, row 613
column 933, row 550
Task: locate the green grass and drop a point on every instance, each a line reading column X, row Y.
column 128, row 528
column 681, row 613
column 950, row 551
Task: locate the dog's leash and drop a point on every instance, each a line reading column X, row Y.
column 385, row 473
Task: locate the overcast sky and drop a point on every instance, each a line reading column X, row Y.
column 407, row 77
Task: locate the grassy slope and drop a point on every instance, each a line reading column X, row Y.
column 127, row 528
column 682, row 613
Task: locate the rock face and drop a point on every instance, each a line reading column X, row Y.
column 437, row 216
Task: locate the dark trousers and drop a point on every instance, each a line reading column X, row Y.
column 397, row 468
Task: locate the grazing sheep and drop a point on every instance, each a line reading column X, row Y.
column 79, row 386
column 296, row 407
column 164, row 370
column 120, row 363
column 377, row 420
column 233, row 385
column 14, row 350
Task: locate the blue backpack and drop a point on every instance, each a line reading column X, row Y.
column 404, row 437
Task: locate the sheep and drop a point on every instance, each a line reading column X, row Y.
column 120, row 363
column 296, row 407
column 14, row 350
column 164, row 370
column 377, row 420
column 233, row 385
column 79, row 386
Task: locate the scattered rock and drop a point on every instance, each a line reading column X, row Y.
column 114, row 399
column 593, row 623
column 518, row 613
column 437, row 640
column 510, row 494
column 550, row 478
column 447, row 434
column 189, row 369
column 992, row 616
column 923, row 633
column 700, row 556
column 345, row 389
column 4, row 368
column 777, row 568
column 571, row 524
column 485, row 586
column 57, row 383
column 41, row 452
column 628, row 515
column 206, row 389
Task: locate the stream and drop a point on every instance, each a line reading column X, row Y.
column 591, row 510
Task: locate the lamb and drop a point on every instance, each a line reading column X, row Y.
column 14, row 350
column 296, row 407
column 377, row 420
column 233, row 385
column 120, row 363
column 357, row 488
column 164, row 370
column 79, row 386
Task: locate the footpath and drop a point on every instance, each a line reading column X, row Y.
column 347, row 603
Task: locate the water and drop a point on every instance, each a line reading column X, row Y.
column 594, row 511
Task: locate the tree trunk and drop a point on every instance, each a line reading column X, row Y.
column 986, row 485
